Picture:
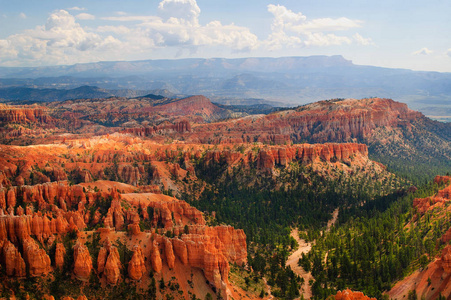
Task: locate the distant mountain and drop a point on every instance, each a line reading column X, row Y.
column 83, row 92
column 290, row 80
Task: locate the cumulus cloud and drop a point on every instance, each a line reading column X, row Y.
column 362, row 41
column 186, row 10
column 125, row 18
column 22, row 15
column 76, row 8
column 85, row 16
column 177, row 25
column 423, row 51
column 293, row 29
column 60, row 40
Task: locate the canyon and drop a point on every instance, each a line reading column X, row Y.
column 102, row 193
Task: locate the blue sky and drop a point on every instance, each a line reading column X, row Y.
column 398, row 34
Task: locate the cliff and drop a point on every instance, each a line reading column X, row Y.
column 323, row 121
column 423, row 205
column 351, row 295
column 148, row 164
column 24, row 114
column 430, row 282
column 82, row 262
column 69, row 209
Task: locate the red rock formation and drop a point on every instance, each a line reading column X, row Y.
column 113, row 266
column 108, row 262
column 231, row 242
column 202, row 253
column 134, row 229
column 442, row 179
column 82, row 262
column 350, row 295
column 101, row 259
column 446, row 259
column 155, row 258
column 23, row 114
column 179, row 127
column 180, row 250
column 60, row 252
column 169, row 252
column 429, row 282
column 37, row 260
column 424, row 204
column 13, row 261
column 136, row 266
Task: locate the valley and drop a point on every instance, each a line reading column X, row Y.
column 179, row 198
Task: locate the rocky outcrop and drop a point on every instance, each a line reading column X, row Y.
column 36, row 259
column 422, row 205
column 136, row 266
column 446, row 259
column 179, row 127
column 130, row 174
column 350, row 295
column 16, row 228
column 12, row 260
column 108, row 263
column 169, row 252
column 81, row 297
column 202, row 253
column 113, row 266
column 428, row 282
column 180, row 250
column 82, row 262
column 208, row 248
column 24, row 114
column 155, row 258
column 134, row 229
column 167, row 211
column 60, row 252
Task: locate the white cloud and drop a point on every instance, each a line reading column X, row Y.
column 22, row 15
column 423, row 51
column 187, row 10
column 448, row 52
column 85, row 16
column 60, row 41
column 293, row 29
column 76, row 8
column 178, row 26
column 121, row 13
column 121, row 30
column 362, row 41
column 124, row 18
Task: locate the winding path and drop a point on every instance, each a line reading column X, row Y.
column 292, row 261
column 305, row 247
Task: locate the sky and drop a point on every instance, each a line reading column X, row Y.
column 413, row 34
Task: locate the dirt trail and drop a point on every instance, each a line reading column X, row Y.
column 292, row 261
column 329, row 225
column 268, row 289
column 333, row 220
column 305, row 247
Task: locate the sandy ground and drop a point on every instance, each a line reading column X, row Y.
column 292, row 261
column 305, row 247
column 329, row 225
column 268, row 289
column 333, row 220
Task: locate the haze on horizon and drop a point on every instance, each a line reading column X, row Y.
column 397, row 34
